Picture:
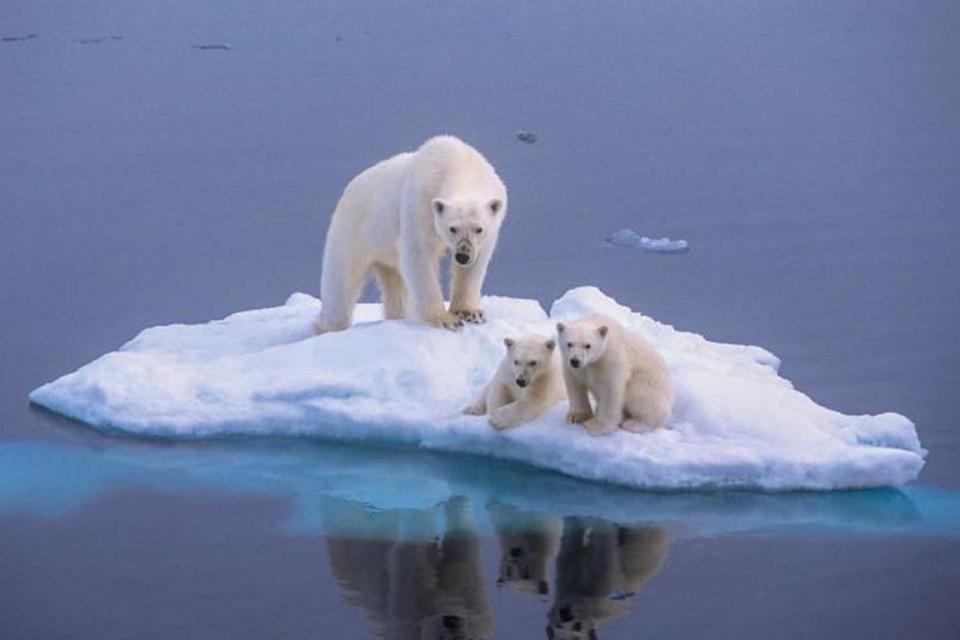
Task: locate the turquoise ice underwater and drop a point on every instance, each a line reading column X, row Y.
column 736, row 423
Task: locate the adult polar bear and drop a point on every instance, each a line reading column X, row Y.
column 397, row 219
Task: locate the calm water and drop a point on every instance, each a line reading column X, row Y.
column 809, row 152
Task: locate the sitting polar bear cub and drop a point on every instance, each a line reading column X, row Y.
column 526, row 384
column 628, row 379
column 397, row 219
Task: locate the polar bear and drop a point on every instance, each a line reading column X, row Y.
column 528, row 541
column 418, row 575
column 626, row 376
column 600, row 566
column 397, row 219
column 525, row 385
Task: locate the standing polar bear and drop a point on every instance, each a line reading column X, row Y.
column 397, row 219
column 625, row 375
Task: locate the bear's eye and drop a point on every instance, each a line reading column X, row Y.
column 453, row 229
column 516, row 362
column 479, row 230
column 569, row 345
column 533, row 363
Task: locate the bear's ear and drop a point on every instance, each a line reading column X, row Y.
column 495, row 206
column 551, row 345
column 603, row 331
column 508, row 342
column 560, row 327
column 438, row 206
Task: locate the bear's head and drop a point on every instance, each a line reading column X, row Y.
column 582, row 342
column 528, row 358
column 568, row 621
column 467, row 227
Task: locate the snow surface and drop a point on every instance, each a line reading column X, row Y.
column 736, row 422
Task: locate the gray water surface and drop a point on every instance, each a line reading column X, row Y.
column 808, row 151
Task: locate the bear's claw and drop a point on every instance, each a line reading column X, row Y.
column 578, row 417
column 473, row 316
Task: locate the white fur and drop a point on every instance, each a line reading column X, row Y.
column 533, row 361
column 626, row 376
column 397, row 219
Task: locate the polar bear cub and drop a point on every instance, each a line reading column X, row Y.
column 526, row 384
column 396, row 221
column 626, row 376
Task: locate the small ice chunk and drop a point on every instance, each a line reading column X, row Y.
column 526, row 136
column 29, row 36
column 632, row 239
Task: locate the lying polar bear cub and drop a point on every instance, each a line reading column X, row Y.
column 526, row 384
column 625, row 375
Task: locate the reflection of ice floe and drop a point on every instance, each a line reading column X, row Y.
column 736, row 423
column 52, row 480
column 632, row 239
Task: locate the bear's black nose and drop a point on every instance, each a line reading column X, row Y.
column 575, row 362
column 521, row 383
column 452, row 622
column 463, row 258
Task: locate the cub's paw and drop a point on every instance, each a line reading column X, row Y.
column 500, row 420
column 473, row 316
column 578, row 417
column 473, row 410
column 596, row 428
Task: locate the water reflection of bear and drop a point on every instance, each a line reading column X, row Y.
column 600, row 564
column 413, row 583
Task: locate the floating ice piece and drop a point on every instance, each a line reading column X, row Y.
column 735, row 423
column 630, row 238
column 29, row 36
column 215, row 47
column 526, row 136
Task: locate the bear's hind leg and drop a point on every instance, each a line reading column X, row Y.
column 393, row 293
column 646, row 413
column 340, row 287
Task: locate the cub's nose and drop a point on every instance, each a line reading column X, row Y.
column 463, row 258
column 521, row 383
column 575, row 363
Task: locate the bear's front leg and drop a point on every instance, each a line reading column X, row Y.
column 517, row 413
column 580, row 410
column 609, row 409
column 419, row 267
column 465, row 290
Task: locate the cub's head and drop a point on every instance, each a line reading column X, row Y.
column 570, row 621
column 582, row 342
column 467, row 226
column 528, row 357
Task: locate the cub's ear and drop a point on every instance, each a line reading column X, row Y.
column 495, row 206
column 560, row 327
column 603, row 331
column 438, row 206
column 508, row 342
column 551, row 345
